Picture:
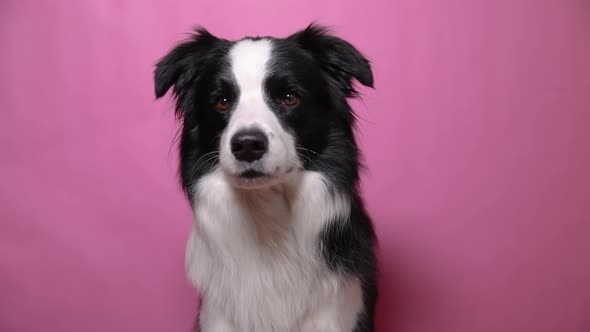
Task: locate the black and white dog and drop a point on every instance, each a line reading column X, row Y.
column 268, row 160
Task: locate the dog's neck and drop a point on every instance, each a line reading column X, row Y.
column 300, row 203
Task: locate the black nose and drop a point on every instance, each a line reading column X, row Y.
column 249, row 145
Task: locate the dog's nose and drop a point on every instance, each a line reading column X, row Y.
column 249, row 145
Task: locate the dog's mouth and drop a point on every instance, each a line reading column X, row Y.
column 254, row 179
column 252, row 174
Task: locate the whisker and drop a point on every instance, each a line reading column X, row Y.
column 304, row 149
column 207, row 155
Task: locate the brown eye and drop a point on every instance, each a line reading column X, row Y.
column 223, row 104
column 290, row 99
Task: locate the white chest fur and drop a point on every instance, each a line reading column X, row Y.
column 254, row 257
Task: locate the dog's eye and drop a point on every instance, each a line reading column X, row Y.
column 223, row 104
column 290, row 99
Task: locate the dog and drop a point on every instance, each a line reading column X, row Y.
column 281, row 238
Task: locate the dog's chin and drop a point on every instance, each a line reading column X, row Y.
column 253, row 180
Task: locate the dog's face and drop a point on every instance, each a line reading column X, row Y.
column 260, row 109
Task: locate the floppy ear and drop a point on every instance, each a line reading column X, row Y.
column 337, row 57
column 182, row 64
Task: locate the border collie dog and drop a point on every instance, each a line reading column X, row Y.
column 281, row 239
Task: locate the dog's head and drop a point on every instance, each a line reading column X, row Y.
column 262, row 108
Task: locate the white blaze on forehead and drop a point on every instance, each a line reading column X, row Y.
column 248, row 62
column 248, row 59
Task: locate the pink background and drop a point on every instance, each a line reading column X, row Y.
column 477, row 139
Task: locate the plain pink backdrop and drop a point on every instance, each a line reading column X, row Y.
column 477, row 140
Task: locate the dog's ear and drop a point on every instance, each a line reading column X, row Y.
column 336, row 56
column 182, row 64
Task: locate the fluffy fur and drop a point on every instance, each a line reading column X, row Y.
column 281, row 239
